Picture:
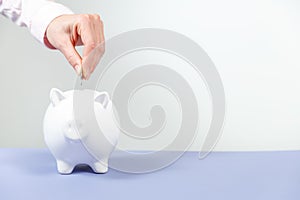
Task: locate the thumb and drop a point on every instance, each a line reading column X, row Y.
column 73, row 57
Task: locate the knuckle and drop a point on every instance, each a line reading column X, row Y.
column 101, row 23
column 92, row 45
column 84, row 18
column 60, row 46
column 70, row 57
column 100, row 50
column 90, row 18
column 97, row 17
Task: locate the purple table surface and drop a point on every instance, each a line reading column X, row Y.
column 31, row 174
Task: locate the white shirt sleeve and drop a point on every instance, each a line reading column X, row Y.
column 33, row 14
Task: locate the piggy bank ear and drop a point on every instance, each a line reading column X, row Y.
column 103, row 98
column 56, row 96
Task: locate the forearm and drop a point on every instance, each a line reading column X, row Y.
column 33, row 14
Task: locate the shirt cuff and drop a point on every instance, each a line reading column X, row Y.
column 42, row 19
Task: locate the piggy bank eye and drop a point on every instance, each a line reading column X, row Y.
column 70, row 124
column 69, row 127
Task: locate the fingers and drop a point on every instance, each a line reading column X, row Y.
column 90, row 62
column 67, row 31
column 90, row 29
column 73, row 57
column 91, row 32
column 60, row 35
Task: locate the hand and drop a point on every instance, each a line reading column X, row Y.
column 67, row 31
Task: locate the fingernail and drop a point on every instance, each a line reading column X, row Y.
column 78, row 70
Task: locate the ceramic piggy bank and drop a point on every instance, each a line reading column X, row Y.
column 86, row 137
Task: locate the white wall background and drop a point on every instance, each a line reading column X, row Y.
column 254, row 44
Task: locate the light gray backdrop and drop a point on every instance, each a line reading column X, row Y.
column 254, row 44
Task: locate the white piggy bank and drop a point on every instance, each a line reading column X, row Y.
column 78, row 140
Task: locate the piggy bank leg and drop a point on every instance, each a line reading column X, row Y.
column 64, row 167
column 100, row 166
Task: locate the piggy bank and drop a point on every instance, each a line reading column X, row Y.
column 87, row 136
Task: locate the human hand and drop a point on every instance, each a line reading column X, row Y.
column 67, row 31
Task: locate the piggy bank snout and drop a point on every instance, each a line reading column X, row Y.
column 74, row 130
